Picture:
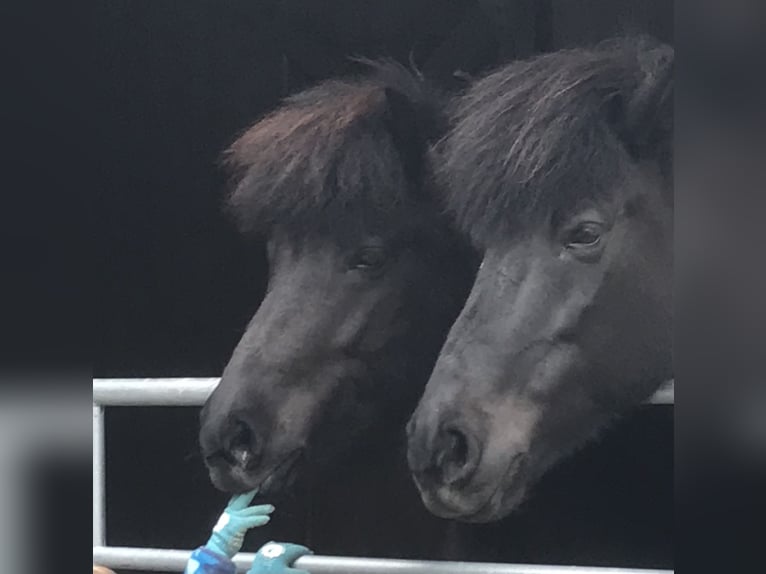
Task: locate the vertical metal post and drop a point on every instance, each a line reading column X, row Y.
column 99, row 484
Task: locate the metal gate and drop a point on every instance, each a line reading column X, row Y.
column 194, row 392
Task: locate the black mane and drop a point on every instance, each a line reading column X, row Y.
column 537, row 136
column 343, row 152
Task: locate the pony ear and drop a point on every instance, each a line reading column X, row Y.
column 644, row 121
column 404, row 124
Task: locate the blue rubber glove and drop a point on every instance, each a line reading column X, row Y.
column 277, row 558
column 237, row 518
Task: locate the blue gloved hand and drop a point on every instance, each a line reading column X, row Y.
column 229, row 532
column 277, row 558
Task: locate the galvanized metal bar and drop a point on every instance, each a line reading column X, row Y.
column 194, row 392
column 162, row 560
column 666, row 395
column 153, row 392
column 99, row 482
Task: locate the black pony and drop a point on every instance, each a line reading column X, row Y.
column 560, row 168
column 366, row 276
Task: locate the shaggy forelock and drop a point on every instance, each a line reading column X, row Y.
column 534, row 137
column 327, row 156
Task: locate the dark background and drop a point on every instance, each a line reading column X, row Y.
column 176, row 286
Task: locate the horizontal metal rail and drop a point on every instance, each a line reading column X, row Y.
column 162, row 560
column 153, row 392
column 194, row 392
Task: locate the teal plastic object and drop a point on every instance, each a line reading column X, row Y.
column 278, row 558
column 237, row 518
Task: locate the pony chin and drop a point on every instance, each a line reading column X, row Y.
column 230, row 482
column 500, row 504
column 493, row 501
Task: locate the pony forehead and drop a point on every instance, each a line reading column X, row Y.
column 305, row 116
column 535, row 137
column 328, row 156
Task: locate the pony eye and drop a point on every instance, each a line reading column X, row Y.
column 586, row 234
column 370, row 259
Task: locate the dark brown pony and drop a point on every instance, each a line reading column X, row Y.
column 366, row 276
column 560, row 168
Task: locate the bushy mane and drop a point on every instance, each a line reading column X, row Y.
column 539, row 135
column 340, row 153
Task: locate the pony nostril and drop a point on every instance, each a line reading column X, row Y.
column 454, row 459
column 242, row 448
column 448, row 457
column 458, row 447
